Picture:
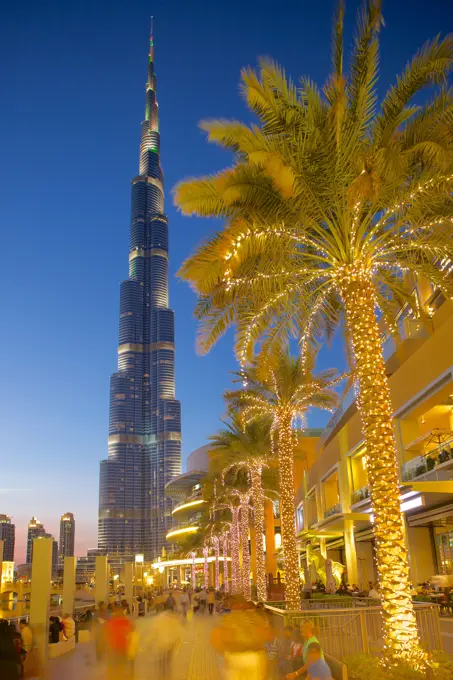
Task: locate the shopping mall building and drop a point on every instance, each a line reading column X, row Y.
column 333, row 508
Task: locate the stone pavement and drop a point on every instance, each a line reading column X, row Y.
column 195, row 659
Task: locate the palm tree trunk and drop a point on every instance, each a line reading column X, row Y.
column 226, row 583
column 258, row 505
column 206, row 567
column 287, row 517
column 400, row 627
column 244, row 516
column 194, row 580
column 217, row 566
column 236, row 581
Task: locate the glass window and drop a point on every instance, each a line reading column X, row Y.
column 300, row 517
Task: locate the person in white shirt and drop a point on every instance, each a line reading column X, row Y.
column 374, row 594
column 27, row 635
column 68, row 625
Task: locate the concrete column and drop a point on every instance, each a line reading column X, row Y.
column 350, row 552
column 69, row 585
column 101, row 586
column 129, row 583
column 41, row 574
column 181, row 574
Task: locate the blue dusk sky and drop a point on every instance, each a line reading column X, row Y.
column 72, row 88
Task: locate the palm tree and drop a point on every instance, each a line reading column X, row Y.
column 283, row 391
column 228, row 501
column 333, row 206
column 247, row 447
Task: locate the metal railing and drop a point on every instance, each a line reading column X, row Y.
column 53, row 612
column 333, row 510
column 358, row 630
column 347, row 401
column 422, row 465
column 334, row 602
column 360, row 495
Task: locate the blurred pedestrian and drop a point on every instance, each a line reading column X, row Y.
column 163, row 636
column 308, row 632
column 211, row 601
column 118, row 637
column 9, row 666
column 27, row 635
column 241, row 638
column 100, row 619
column 317, row 668
column 184, row 603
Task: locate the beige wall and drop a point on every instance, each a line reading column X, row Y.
column 365, row 565
column 421, row 554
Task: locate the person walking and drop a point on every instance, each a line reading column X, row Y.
column 202, row 599
column 164, row 634
column 9, row 665
column 241, row 638
column 307, row 631
column 184, row 603
column 27, row 635
column 100, row 619
column 118, row 635
column 211, row 601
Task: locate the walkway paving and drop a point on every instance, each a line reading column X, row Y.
column 195, row 659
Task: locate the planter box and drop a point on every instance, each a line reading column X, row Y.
column 62, row 647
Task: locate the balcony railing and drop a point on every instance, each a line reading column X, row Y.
column 348, row 400
column 360, row 495
column 334, row 510
column 421, row 465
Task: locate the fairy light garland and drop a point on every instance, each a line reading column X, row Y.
column 193, row 555
column 400, row 628
column 205, row 567
column 216, row 544
column 226, row 581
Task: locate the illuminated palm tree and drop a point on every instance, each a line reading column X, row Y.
column 332, row 207
column 282, row 390
column 247, row 447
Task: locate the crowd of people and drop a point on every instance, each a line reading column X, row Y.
column 344, row 589
column 14, row 647
column 242, row 633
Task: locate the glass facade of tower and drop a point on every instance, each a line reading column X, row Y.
column 35, row 529
column 67, row 535
column 144, row 450
column 8, row 535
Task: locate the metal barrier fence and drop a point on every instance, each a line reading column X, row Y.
column 340, row 602
column 357, row 630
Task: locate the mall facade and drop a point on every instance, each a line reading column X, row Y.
column 333, row 507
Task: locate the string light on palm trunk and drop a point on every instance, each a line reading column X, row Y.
column 216, row 544
column 205, row 567
column 286, row 470
column 236, row 581
column 193, row 555
column 400, row 628
column 244, row 523
column 258, row 505
column 226, row 581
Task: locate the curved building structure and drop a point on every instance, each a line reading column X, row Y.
column 144, row 451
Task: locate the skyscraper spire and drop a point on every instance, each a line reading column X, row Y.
column 144, row 450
